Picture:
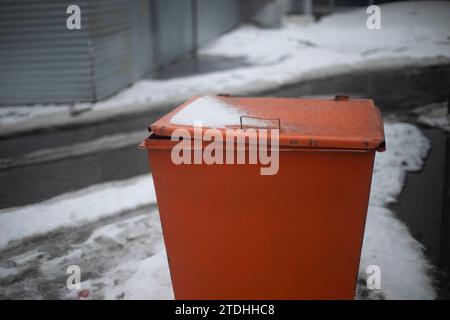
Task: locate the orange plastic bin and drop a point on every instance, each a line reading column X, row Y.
column 232, row 233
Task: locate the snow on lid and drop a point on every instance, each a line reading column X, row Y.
column 212, row 111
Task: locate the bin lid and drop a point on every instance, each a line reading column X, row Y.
column 339, row 123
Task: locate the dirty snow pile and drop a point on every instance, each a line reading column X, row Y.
column 412, row 34
column 122, row 255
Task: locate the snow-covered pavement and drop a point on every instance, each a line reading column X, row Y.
column 434, row 115
column 120, row 257
column 413, row 34
column 76, row 208
column 112, row 231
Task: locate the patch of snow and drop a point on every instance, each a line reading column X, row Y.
column 413, row 34
column 27, row 257
column 406, row 150
column 418, row 29
column 148, row 260
column 434, row 115
column 75, row 208
column 124, row 259
column 405, row 271
column 8, row 272
column 211, row 111
column 150, row 280
column 11, row 115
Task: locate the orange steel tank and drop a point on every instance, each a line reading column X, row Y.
column 232, row 233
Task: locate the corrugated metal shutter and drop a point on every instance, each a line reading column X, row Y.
column 216, row 17
column 110, row 34
column 120, row 41
column 174, row 29
column 143, row 56
column 174, row 24
column 40, row 60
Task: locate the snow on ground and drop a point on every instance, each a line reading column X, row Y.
column 140, row 269
column 405, row 271
column 418, row 30
column 124, row 257
column 413, row 34
column 73, row 209
column 120, row 258
column 434, row 115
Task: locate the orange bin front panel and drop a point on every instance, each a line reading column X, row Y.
column 231, row 233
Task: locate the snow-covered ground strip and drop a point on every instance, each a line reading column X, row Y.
column 413, row 34
column 434, row 115
column 405, row 271
column 76, row 208
column 125, row 259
